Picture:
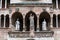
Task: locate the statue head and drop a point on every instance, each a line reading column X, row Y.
column 30, row 14
column 44, row 21
column 17, row 19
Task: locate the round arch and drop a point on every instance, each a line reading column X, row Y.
column 27, row 21
column 15, row 16
column 7, row 20
column 2, row 20
column 44, row 15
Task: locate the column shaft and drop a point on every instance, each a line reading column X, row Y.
column 57, row 4
column 1, row 3
column 10, row 22
column 5, row 3
column 37, row 23
column 24, row 29
column 57, row 21
column 51, row 22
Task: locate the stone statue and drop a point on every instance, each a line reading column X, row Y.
column 44, row 27
column 17, row 25
column 31, row 21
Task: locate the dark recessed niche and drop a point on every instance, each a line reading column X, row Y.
column 30, row 39
column 30, row 0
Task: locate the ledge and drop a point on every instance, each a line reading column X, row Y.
column 4, row 28
column 30, row 5
column 26, row 34
column 35, row 3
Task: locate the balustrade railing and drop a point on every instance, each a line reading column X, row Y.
column 26, row 34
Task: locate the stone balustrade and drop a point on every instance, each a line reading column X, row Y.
column 26, row 34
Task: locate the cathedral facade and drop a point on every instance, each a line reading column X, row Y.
column 29, row 20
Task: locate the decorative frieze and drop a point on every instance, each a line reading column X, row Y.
column 27, row 34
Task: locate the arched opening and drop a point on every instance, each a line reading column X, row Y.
column 59, row 4
column 59, row 20
column 15, row 16
column 7, row 21
column 54, row 3
column 2, row 20
column 27, row 21
column 54, row 20
column 44, row 15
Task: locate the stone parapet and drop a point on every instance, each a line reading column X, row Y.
column 26, row 34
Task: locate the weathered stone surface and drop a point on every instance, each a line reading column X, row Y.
column 26, row 34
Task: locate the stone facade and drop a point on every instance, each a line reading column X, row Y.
column 22, row 11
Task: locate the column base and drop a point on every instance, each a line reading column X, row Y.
column 51, row 26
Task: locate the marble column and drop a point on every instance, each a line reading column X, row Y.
column 51, row 21
column 37, row 22
column 4, row 20
column 10, row 24
column 24, row 28
column 56, row 21
column 1, row 3
column 5, row 3
column 57, row 4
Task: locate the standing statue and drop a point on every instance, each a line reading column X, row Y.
column 44, row 27
column 31, row 21
column 17, row 25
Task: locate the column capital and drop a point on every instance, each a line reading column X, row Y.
column 4, row 15
column 51, row 15
column 24, row 17
column 56, row 14
column 9, row 16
